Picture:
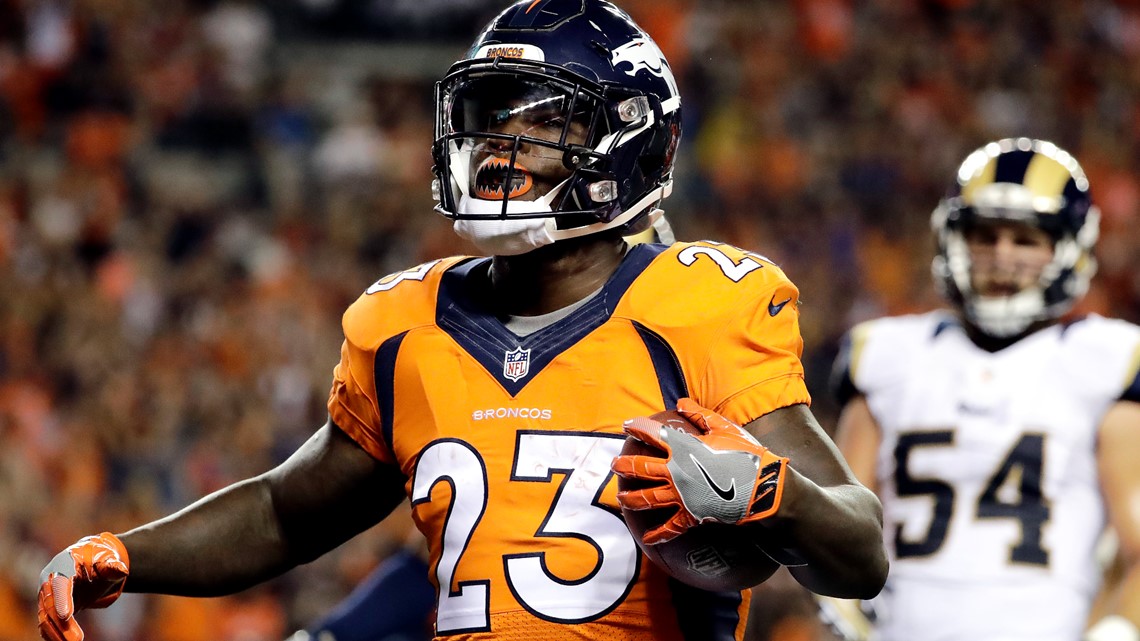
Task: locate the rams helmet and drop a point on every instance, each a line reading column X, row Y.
column 1029, row 181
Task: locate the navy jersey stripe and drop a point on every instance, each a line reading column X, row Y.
column 665, row 365
column 841, row 384
column 943, row 325
column 843, row 388
column 1132, row 392
column 487, row 339
column 635, row 262
column 385, row 375
column 704, row 615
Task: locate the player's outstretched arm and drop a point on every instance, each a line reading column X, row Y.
column 826, row 517
column 327, row 491
column 1117, row 452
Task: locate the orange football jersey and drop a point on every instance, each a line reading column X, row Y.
column 507, row 441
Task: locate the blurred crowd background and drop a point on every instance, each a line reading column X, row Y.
column 192, row 191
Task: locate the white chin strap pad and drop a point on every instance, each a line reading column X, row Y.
column 503, row 237
column 514, row 236
column 1003, row 316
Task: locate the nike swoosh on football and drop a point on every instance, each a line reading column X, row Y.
column 774, row 309
column 728, row 494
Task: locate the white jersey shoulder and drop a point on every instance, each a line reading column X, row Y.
column 987, row 472
column 1103, row 352
column 1107, row 353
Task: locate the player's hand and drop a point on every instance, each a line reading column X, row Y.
column 89, row 574
column 722, row 474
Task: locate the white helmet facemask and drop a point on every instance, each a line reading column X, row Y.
column 1006, row 316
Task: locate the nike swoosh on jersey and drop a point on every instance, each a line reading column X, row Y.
column 728, row 494
column 774, row 308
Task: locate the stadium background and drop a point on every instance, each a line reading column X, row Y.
column 192, row 191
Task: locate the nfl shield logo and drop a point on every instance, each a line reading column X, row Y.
column 516, row 363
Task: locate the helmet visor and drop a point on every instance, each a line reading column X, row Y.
column 509, row 105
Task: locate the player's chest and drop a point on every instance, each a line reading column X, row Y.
column 950, row 383
column 966, row 416
column 486, row 394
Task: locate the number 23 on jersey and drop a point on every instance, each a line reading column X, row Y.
column 580, row 463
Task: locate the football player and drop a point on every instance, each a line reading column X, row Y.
column 1002, row 436
column 492, row 392
column 392, row 603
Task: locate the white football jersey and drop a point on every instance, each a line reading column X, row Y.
column 987, row 472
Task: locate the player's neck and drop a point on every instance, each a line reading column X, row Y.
column 555, row 276
column 994, row 344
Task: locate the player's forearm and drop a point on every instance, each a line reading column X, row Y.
column 224, row 543
column 1122, row 623
column 1127, row 607
column 837, row 531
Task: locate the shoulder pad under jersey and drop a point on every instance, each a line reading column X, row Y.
column 1111, row 348
column 706, row 280
column 875, row 353
column 396, row 303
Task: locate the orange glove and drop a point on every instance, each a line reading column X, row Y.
column 89, row 574
column 722, row 474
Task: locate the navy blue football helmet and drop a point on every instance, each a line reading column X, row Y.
column 568, row 94
column 1022, row 180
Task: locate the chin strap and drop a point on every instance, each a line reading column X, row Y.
column 651, row 199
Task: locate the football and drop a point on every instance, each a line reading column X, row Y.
column 710, row 556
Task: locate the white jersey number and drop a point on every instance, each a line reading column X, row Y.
column 733, row 270
column 583, row 463
column 1020, row 471
column 417, row 273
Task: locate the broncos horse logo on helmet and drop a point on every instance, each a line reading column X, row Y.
column 1022, row 180
column 643, row 54
column 603, row 117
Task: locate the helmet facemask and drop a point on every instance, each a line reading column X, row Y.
column 519, row 139
column 508, row 139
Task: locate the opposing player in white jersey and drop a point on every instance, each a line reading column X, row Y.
column 1002, row 437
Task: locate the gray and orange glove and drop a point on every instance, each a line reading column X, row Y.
column 721, row 474
column 89, row 574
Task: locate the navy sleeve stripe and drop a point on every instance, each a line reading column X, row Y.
column 666, row 365
column 1132, row 392
column 843, row 388
column 385, row 374
column 841, row 384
